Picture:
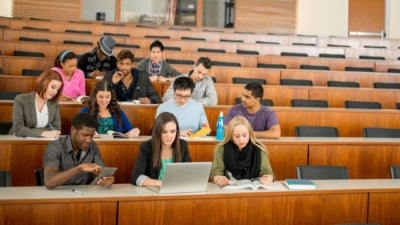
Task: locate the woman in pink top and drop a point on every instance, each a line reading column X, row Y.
column 73, row 78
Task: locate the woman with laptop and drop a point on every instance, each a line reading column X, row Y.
column 240, row 155
column 164, row 147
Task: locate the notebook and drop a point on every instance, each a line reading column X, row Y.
column 184, row 178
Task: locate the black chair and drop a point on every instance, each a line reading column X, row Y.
column 371, row 132
column 333, row 83
column 265, row 102
column 340, row 46
column 309, row 103
column 31, row 72
column 313, row 67
column 193, row 39
column 43, row 40
column 393, row 70
column 172, row 48
column 242, row 80
column 211, row 50
column 387, row 85
column 157, row 37
column 39, row 175
column 268, row 42
column 179, row 28
column 303, row 44
column 116, row 34
column 374, row 46
column 113, row 24
column 316, row 131
column 358, row 69
column 371, row 57
column 123, row 45
column 230, row 40
column 295, row 54
column 217, row 31
column 247, row 52
column 5, row 127
column 362, row 105
column 78, row 31
column 322, row 172
column 221, row 63
column 326, row 55
column 35, row 28
column 73, row 42
column 1, row 70
column 5, row 178
column 296, row 82
column 395, row 171
column 180, row 61
column 398, row 105
column 271, row 66
column 29, row 54
column 8, row 95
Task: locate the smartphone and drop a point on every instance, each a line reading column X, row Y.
column 107, row 171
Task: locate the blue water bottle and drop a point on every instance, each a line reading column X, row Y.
column 220, row 127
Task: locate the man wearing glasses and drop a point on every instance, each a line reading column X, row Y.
column 204, row 90
column 190, row 113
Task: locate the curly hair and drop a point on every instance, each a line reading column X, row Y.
column 113, row 106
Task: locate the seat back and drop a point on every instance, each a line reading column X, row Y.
column 295, row 54
column 371, row 132
column 387, row 85
column 222, row 63
column 211, row 50
column 243, row 80
column 39, row 176
column 362, row 105
column 265, row 102
column 296, row 82
column 31, row 72
column 309, row 103
column 29, row 54
column 44, row 40
column 395, row 171
column 333, row 83
column 313, row 67
column 316, row 131
column 5, row 178
column 372, row 57
column 8, row 95
column 172, row 48
column 180, row 61
column 393, row 70
column 271, row 66
column 247, row 52
column 323, row 172
column 358, row 69
column 326, row 55
column 73, row 42
column 5, row 127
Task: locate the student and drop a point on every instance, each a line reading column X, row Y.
column 130, row 84
column 75, row 159
column 156, row 67
column 241, row 154
column 104, row 107
column 262, row 119
column 37, row 114
column 164, row 147
column 204, row 91
column 191, row 115
column 99, row 60
column 73, row 78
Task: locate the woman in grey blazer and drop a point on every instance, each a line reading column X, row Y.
column 37, row 114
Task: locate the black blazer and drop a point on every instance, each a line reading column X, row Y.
column 144, row 162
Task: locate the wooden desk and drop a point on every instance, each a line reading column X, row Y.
column 365, row 158
column 334, row 201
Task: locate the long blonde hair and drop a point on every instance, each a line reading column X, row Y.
column 241, row 120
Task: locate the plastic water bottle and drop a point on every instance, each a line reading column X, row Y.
column 220, row 127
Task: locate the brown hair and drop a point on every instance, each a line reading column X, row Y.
column 43, row 81
column 125, row 54
column 156, row 143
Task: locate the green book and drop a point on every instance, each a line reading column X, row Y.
column 300, row 184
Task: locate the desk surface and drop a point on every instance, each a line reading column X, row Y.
column 128, row 191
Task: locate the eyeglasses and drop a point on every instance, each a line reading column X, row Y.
column 180, row 97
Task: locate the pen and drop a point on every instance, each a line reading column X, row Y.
column 51, row 126
column 76, row 191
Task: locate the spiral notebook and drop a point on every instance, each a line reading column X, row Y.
column 184, row 178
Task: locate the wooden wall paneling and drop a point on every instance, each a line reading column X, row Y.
column 359, row 159
column 383, row 207
column 47, row 9
column 366, row 15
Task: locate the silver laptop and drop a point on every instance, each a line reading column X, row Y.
column 184, row 178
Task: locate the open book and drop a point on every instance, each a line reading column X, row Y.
column 113, row 134
column 83, row 99
column 254, row 184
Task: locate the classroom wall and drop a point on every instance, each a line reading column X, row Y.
column 322, row 17
column 91, row 7
column 393, row 18
column 5, row 9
